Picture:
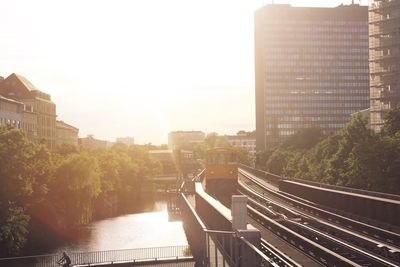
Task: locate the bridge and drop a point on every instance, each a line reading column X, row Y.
column 299, row 223
column 272, row 221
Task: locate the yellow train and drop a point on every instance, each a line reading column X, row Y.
column 221, row 171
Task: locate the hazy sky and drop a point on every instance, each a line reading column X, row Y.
column 139, row 68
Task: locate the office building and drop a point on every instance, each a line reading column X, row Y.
column 384, row 58
column 311, row 69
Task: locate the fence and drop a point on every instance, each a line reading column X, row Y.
column 103, row 257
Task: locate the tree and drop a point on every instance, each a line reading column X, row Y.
column 13, row 230
column 389, row 159
column 16, row 154
column 24, row 173
column 354, row 157
column 319, row 158
column 245, row 157
column 304, row 139
column 66, row 149
column 392, row 121
column 278, row 161
column 76, row 184
column 214, row 140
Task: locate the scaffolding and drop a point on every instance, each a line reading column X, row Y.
column 384, row 58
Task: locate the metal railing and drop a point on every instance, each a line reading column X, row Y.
column 102, row 257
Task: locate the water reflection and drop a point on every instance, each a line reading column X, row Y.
column 150, row 229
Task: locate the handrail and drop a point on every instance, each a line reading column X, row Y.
column 197, row 217
column 258, row 251
column 99, row 257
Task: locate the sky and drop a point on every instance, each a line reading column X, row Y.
column 140, row 68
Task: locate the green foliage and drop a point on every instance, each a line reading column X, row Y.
column 76, row 183
column 13, row 230
column 357, row 157
column 214, row 140
column 277, row 161
column 66, row 149
column 392, row 122
column 245, row 157
column 304, row 139
column 66, row 187
column 16, row 155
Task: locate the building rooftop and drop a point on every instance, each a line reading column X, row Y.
column 18, row 86
column 28, row 85
column 62, row 124
column 314, row 13
column 187, row 132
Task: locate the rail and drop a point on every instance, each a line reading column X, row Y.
column 102, row 257
column 378, row 233
column 381, row 250
column 274, row 179
column 220, row 248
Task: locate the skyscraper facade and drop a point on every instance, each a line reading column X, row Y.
column 311, row 69
column 384, row 40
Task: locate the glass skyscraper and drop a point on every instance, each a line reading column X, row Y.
column 311, row 69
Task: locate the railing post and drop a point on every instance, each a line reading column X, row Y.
column 248, row 257
column 239, row 212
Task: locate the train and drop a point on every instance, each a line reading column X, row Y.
column 221, row 171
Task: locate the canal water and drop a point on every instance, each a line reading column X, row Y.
column 148, row 228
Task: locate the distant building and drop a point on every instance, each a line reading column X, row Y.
column 182, row 139
column 311, row 69
column 39, row 103
column 243, row 140
column 129, row 141
column 384, row 64
column 90, row 142
column 66, row 134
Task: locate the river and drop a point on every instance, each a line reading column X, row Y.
column 148, row 228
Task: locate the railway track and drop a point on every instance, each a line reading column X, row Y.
column 388, row 241
column 278, row 258
column 358, row 249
